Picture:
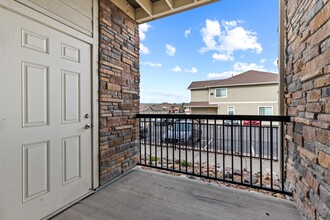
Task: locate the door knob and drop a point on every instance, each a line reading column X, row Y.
column 87, row 126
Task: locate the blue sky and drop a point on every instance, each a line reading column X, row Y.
column 211, row 42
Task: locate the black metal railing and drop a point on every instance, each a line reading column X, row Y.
column 239, row 149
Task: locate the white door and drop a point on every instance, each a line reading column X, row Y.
column 45, row 103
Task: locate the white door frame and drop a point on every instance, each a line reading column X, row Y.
column 93, row 41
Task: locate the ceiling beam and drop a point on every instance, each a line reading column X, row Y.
column 126, row 7
column 169, row 3
column 159, row 9
column 146, row 5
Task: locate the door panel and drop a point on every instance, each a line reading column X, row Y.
column 45, row 150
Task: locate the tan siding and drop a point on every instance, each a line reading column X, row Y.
column 77, row 12
column 247, row 109
column 204, row 110
column 199, row 95
column 255, row 93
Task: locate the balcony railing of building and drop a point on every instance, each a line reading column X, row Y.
column 240, row 149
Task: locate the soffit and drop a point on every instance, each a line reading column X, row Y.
column 147, row 10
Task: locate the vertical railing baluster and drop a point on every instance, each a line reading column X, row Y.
column 250, row 152
column 276, row 142
column 161, row 145
column 140, row 137
column 260, row 150
column 193, row 147
column 223, row 151
column 179, row 144
column 156, row 134
column 207, row 148
column 200, row 149
column 215, row 148
column 268, row 139
column 186, row 144
column 271, row 154
column 232, row 149
column 241, row 140
column 282, row 156
column 167, row 142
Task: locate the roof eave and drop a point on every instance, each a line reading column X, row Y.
column 149, row 10
column 232, row 85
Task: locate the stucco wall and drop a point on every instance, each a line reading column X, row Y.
column 307, row 98
column 119, row 91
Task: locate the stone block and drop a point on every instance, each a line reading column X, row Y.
column 324, row 160
column 312, row 181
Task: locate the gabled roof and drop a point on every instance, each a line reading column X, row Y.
column 246, row 78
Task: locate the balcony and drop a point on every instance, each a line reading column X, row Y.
column 242, row 150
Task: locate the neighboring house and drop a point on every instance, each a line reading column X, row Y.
column 249, row 93
column 163, row 108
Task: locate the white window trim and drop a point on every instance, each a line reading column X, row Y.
column 262, row 106
column 230, row 107
column 223, row 97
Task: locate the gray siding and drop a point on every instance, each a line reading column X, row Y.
column 77, row 12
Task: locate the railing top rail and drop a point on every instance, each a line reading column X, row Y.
column 280, row 118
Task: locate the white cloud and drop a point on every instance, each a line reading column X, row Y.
column 242, row 67
column 192, row 70
column 144, row 49
column 143, row 28
column 170, row 49
column 187, row 32
column 211, row 32
column 238, row 68
column 222, row 57
column 225, row 41
column 148, row 63
column 176, row 69
column 276, row 62
column 262, row 60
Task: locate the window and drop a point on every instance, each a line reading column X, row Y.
column 221, row 93
column 265, row 110
column 231, row 110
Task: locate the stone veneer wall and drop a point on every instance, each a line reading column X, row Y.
column 119, row 80
column 307, row 98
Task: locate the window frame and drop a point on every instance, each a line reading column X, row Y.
column 233, row 109
column 215, row 93
column 271, row 107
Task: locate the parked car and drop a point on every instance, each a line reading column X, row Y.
column 253, row 123
column 231, row 122
column 143, row 132
column 162, row 121
column 183, row 132
column 165, row 121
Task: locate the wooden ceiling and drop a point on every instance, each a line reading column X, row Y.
column 147, row 10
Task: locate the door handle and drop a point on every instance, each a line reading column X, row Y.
column 87, row 126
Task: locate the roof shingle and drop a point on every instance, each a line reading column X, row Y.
column 248, row 77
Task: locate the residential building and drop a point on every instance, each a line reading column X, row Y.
column 249, row 93
column 163, row 108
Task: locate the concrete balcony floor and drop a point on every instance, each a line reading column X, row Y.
column 143, row 194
